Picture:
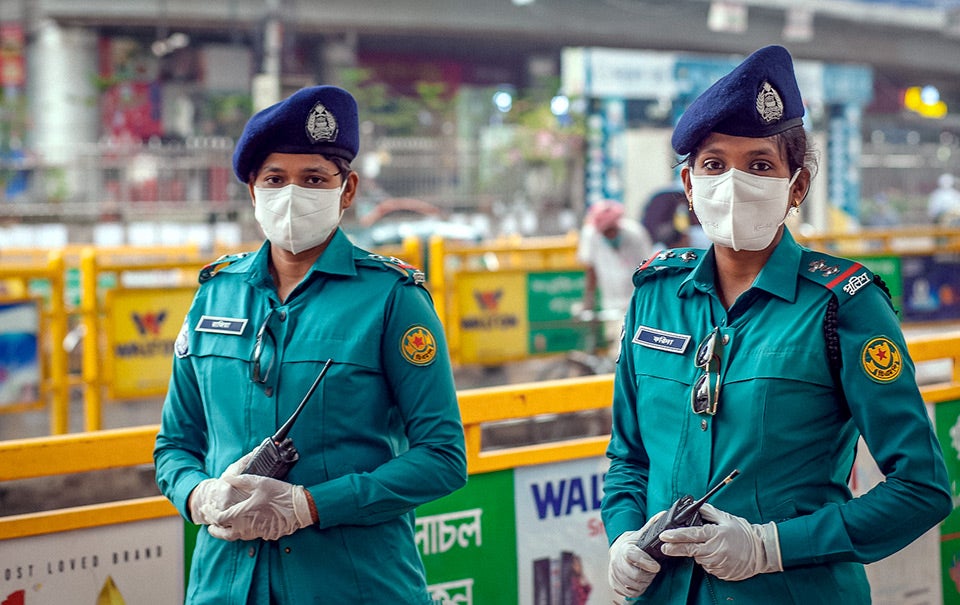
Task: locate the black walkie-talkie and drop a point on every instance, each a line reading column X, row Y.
column 276, row 455
column 685, row 512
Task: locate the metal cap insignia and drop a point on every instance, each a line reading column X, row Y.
column 321, row 125
column 769, row 104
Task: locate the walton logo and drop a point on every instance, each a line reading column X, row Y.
column 488, row 300
column 148, row 324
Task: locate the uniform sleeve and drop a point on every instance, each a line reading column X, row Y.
column 182, row 440
column 417, row 366
column 625, row 484
column 880, row 387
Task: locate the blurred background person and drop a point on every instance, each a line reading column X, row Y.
column 611, row 248
column 943, row 205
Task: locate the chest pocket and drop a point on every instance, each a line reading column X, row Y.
column 212, row 344
column 361, row 350
column 800, row 363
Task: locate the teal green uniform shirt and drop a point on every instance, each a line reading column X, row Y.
column 380, row 435
column 783, row 420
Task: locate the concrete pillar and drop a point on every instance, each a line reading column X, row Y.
column 62, row 66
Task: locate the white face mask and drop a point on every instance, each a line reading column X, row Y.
column 297, row 218
column 740, row 210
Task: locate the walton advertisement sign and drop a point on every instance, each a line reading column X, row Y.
column 142, row 325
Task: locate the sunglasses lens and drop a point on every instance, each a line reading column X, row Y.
column 705, row 351
column 701, row 396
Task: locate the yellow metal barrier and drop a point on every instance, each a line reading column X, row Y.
column 52, row 330
column 449, row 260
column 40, row 457
column 909, row 240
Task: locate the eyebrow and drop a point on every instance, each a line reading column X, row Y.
column 275, row 169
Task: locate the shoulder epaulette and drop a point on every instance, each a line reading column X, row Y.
column 842, row 276
column 209, row 271
column 676, row 259
column 411, row 273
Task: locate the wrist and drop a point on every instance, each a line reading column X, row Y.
column 304, row 507
column 771, row 546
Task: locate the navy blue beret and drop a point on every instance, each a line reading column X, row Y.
column 759, row 98
column 318, row 119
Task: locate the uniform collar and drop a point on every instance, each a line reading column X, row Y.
column 337, row 259
column 778, row 276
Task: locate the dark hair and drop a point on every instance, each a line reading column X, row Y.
column 342, row 164
column 793, row 142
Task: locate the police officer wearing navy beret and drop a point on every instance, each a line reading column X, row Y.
column 379, row 435
column 761, row 356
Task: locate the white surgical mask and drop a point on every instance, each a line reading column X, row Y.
column 740, row 210
column 297, row 218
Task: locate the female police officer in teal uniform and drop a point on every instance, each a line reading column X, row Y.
column 380, row 435
column 765, row 357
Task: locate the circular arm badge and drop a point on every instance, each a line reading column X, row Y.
column 881, row 359
column 418, row 346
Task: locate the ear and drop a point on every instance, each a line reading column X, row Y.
column 350, row 190
column 800, row 188
column 253, row 197
column 687, row 183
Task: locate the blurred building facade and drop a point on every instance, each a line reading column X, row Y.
column 115, row 110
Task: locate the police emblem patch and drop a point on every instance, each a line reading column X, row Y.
column 769, row 104
column 418, row 346
column 881, row 360
column 321, row 125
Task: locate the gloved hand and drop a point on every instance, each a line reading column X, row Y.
column 270, row 510
column 631, row 570
column 728, row 547
column 212, row 496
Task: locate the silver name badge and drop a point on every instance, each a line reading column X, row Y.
column 661, row 340
column 221, row 325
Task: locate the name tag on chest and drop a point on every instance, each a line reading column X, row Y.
column 221, row 325
column 661, row 340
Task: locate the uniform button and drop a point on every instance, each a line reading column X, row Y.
column 703, row 425
column 726, row 338
column 287, row 550
column 268, row 391
column 252, row 551
column 283, row 315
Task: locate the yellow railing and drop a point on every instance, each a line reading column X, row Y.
column 64, row 454
column 901, row 240
column 444, row 259
column 52, row 330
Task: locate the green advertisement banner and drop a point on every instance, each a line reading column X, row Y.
column 947, row 421
column 468, row 542
column 552, row 297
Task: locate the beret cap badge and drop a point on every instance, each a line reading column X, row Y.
column 769, row 105
column 321, row 124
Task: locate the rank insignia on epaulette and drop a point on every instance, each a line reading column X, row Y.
column 824, row 269
column 224, row 261
column 419, row 277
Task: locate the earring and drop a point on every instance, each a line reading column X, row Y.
column 690, row 203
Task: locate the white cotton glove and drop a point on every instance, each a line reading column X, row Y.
column 631, row 570
column 211, row 496
column 272, row 509
column 728, row 547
